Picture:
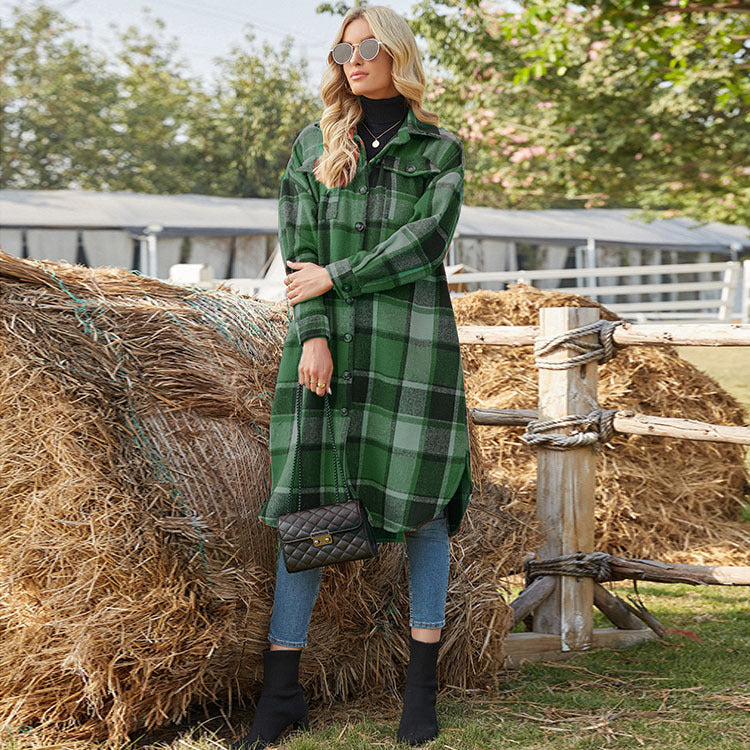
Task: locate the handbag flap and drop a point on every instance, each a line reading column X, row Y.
column 334, row 519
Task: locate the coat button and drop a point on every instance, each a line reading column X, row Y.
column 346, row 375
column 348, row 337
column 410, row 168
column 348, row 300
column 363, row 189
column 359, row 226
column 344, row 411
column 346, row 287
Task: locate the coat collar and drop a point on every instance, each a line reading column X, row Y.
column 419, row 127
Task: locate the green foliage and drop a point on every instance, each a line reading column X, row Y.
column 136, row 120
column 246, row 125
column 52, row 92
column 340, row 8
column 559, row 105
column 146, row 146
column 568, row 108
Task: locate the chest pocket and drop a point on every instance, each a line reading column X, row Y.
column 403, row 180
column 409, row 166
column 328, row 203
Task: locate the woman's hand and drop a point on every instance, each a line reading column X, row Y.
column 310, row 280
column 316, row 365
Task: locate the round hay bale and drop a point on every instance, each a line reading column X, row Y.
column 130, row 576
column 137, row 579
column 656, row 498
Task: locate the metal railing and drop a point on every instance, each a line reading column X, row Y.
column 666, row 298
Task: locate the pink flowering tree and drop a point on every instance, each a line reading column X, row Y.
column 564, row 105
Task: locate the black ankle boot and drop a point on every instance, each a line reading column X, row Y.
column 419, row 719
column 281, row 702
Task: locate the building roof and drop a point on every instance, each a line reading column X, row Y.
column 180, row 215
column 204, row 215
column 607, row 226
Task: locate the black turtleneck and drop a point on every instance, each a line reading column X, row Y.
column 382, row 117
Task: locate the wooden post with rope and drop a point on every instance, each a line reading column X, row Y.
column 564, row 584
column 566, row 481
column 563, row 605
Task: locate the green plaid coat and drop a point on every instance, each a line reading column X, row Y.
column 398, row 406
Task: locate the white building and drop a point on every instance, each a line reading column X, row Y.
column 237, row 237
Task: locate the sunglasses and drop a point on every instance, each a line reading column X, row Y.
column 343, row 51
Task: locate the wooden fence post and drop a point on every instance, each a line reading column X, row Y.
column 565, row 484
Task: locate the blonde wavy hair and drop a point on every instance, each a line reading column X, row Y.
column 342, row 111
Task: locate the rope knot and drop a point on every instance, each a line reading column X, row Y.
column 595, row 427
column 602, row 350
column 596, row 565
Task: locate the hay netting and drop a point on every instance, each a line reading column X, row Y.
column 137, row 580
column 657, row 498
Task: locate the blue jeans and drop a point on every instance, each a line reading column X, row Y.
column 427, row 548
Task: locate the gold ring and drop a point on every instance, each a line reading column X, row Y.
column 321, row 385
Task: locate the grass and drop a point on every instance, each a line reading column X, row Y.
column 690, row 690
column 727, row 364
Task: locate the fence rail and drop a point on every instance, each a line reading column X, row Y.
column 605, row 271
column 651, row 334
column 663, row 302
column 630, row 423
column 665, row 298
column 562, row 619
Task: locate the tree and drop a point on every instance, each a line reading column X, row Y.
column 147, row 147
column 340, row 8
column 134, row 119
column 52, row 93
column 246, row 126
column 560, row 107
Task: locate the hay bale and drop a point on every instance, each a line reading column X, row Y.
column 128, row 575
column 137, row 580
column 656, row 498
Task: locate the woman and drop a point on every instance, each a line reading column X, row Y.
column 368, row 206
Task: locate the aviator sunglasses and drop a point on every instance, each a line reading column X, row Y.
column 343, row 51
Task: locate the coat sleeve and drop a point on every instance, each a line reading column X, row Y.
column 416, row 249
column 298, row 239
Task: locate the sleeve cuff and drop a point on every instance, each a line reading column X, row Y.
column 343, row 278
column 311, row 326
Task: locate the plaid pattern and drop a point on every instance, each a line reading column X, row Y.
column 399, row 412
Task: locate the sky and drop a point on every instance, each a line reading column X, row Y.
column 206, row 30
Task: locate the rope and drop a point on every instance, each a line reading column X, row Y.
column 596, row 427
column 602, row 350
column 594, row 565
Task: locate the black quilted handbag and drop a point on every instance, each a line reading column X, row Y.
column 327, row 534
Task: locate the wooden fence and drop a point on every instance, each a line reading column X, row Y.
column 709, row 293
column 570, row 343
column 685, row 291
